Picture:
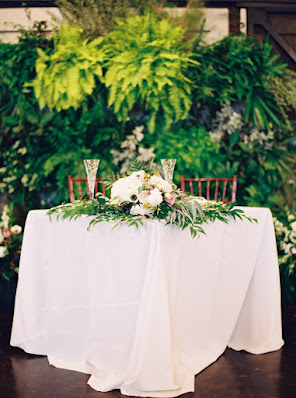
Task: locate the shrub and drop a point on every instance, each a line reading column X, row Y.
column 242, row 68
column 196, row 154
column 10, row 244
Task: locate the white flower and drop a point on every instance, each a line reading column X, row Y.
column 293, row 226
column 126, row 189
column 279, row 226
column 16, row 144
column 1, row 237
column 5, row 217
column 24, row 180
column 287, row 248
column 138, row 174
column 155, row 197
column 138, row 132
column 16, row 229
column 161, row 184
column 145, row 154
column 22, row 151
column 139, row 210
column 293, row 237
column 3, row 251
column 143, row 196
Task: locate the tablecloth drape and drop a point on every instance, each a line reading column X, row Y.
column 146, row 310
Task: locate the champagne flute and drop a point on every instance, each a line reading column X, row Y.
column 91, row 167
column 168, row 166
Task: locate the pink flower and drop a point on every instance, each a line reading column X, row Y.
column 171, row 200
column 6, row 232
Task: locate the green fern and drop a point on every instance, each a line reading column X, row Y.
column 67, row 75
column 147, row 64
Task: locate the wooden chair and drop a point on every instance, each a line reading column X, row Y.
column 214, row 188
column 75, row 186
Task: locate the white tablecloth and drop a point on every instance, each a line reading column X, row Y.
column 146, row 310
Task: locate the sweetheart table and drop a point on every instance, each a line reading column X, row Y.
column 145, row 310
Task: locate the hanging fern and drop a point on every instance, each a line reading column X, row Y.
column 67, row 75
column 147, row 63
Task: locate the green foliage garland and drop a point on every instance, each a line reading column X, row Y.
column 184, row 214
column 162, row 201
column 147, row 65
column 67, row 75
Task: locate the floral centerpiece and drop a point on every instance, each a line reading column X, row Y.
column 10, row 244
column 144, row 195
column 145, row 192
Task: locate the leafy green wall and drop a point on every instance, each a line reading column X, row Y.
column 219, row 110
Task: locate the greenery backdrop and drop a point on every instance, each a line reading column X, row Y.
column 142, row 86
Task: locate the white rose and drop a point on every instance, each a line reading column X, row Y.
column 139, row 210
column 3, row 251
column 155, row 197
column 16, row 229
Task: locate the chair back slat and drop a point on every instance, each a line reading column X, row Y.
column 70, row 188
column 224, row 189
column 80, row 190
column 216, row 190
column 79, row 183
column 208, row 190
column 234, row 189
column 199, row 189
